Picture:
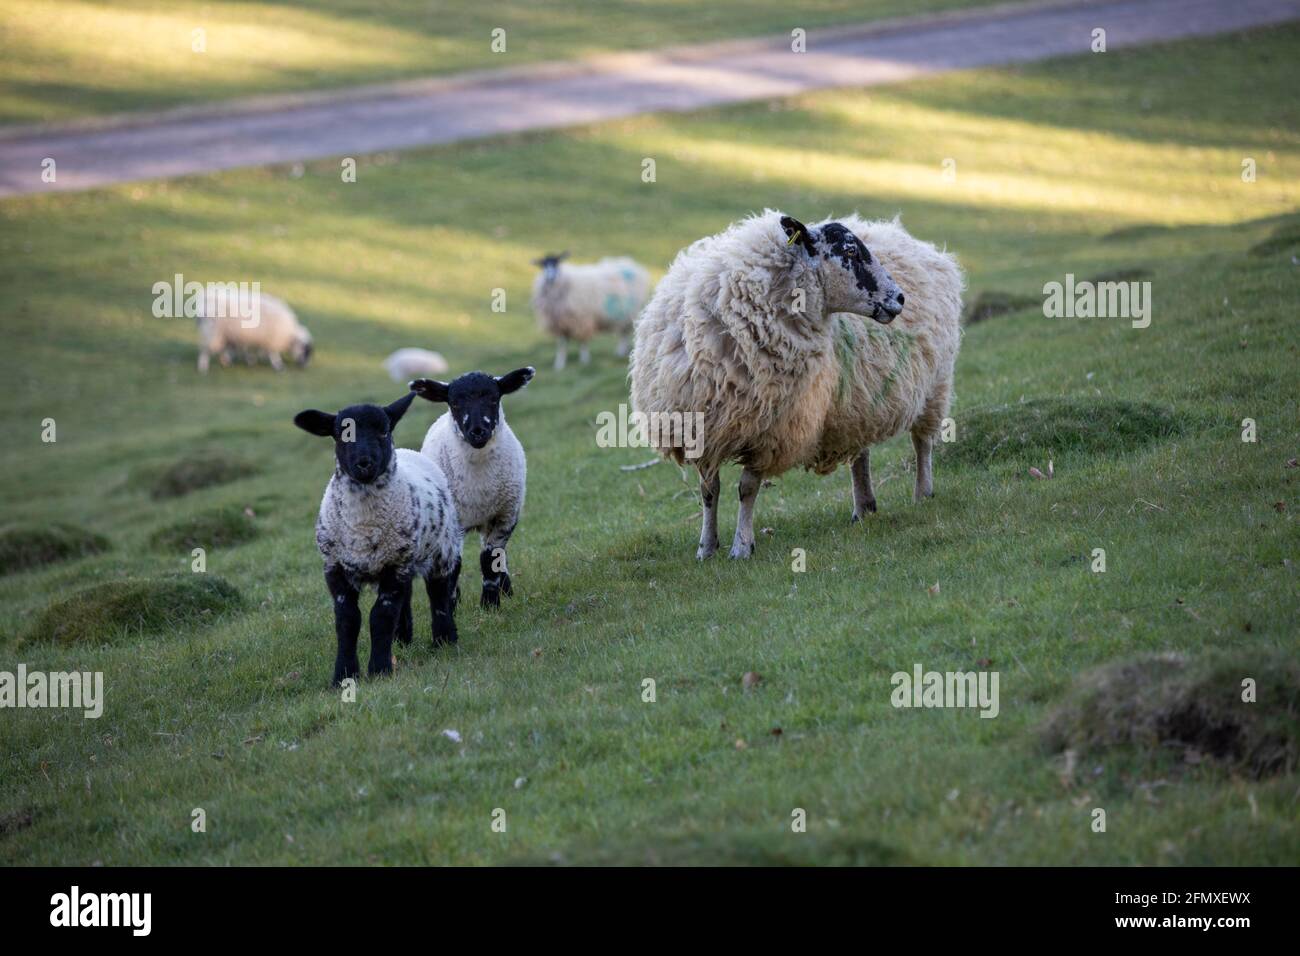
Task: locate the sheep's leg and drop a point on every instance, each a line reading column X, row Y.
column 743, row 545
column 347, row 624
column 405, row 623
column 442, row 604
column 710, row 486
column 923, row 444
column 584, row 353
column 492, row 562
column 385, row 617
column 561, row 352
column 624, row 346
column 864, row 499
column 205, row 359
column 277, row 363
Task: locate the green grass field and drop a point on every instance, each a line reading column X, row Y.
column 61, row 59
column 219, row 700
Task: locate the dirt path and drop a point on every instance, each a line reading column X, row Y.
column 420, row 113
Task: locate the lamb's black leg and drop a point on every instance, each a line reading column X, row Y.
column 442, row 604
column 405, row 623
column 492, row 562
column 383, row 622
column 347, row 624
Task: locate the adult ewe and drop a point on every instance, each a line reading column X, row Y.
column 744, row 328
column 387, row 517
column 577, row 301
column 484, row 464
column 274, row 330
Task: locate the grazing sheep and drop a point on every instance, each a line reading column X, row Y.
column 273, row 330
column 386, row 517
column 577, row 301
column 758, row 328
column 484, row 464
column 406, row 364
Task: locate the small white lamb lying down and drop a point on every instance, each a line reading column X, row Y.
column 406, row 364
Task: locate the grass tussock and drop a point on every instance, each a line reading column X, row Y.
column 1132, row 274
column 1045, row 427
column 1285, row 239
column 1192, row 709
column 217, row 528
column 30, row 546
column 201, row 469
column 990, row 304
column 743, row 849
column 114, row 609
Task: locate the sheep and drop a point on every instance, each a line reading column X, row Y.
column 577, row 301
column 405, row 364
column 484, row 464
column 387, row 516
column 272, row 328
column 758, row 329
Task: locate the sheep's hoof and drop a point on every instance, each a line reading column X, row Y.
column 380, row 668
column 869, row 508
column 507, row 588
column 705, row 551
column 491, row 599
column 441, row 640
column 344, row 669
column 742, row 549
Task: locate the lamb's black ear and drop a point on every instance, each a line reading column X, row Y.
column 795, row 231
column 318, row 423
column 514, row 381
column 428, row 388
column 398, row 409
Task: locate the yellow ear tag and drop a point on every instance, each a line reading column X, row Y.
column 797, row 234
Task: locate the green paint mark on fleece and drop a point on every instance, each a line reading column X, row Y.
column 847, row 343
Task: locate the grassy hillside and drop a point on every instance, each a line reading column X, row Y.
column 61, row 59
column 216, row 686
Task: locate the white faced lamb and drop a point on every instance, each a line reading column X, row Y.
column 387, row 517
column 484, row 464
column 273, row 330
column 744, row 329
column 577, row 301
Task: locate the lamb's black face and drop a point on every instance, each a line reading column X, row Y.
column 474, row 400
column 475, row 403
column 363, row 436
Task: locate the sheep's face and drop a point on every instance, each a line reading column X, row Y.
column 300, row 350
column 852, row 280
column 363, row 436
column 550, row 265
column 474, row 400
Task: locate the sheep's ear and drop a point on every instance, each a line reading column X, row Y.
column 398, row 409
column 797, row 232
column 428, row 388
column 318, row 423
column 514, row 381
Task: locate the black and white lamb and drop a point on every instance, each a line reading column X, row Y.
column 483, row 461
column 387, row 517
